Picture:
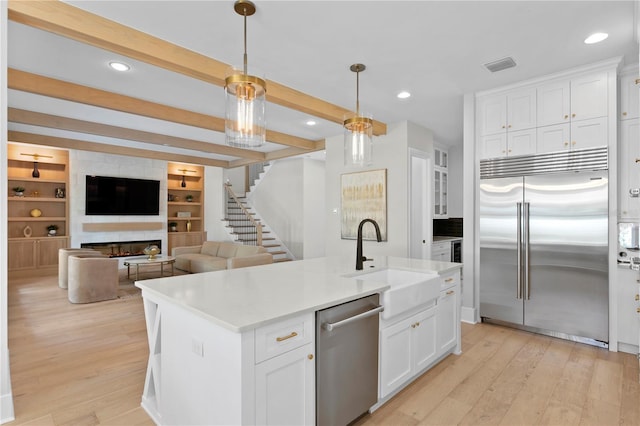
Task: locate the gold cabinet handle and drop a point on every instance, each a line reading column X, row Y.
column 310, row 356
column 624, row 114
column 418, row 324
column 509, row 126
column 448, row 280
column 573, row 115
column 566, row 116
column 413, row 326
column 573, row 143
column 637, row 160
column 637, row 80
column 503, row 126
column 450, row 292
column 637, row 297
column 638, row 310
column 281, row 339
column 566, row 144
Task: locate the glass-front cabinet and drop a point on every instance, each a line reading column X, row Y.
column 440, row 162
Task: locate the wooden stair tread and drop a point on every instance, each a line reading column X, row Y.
column 278, row 252
column 284, row 259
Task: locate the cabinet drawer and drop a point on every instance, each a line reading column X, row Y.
column 283, row 336
column 449, row 280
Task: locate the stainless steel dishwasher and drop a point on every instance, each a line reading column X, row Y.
column 347, row 360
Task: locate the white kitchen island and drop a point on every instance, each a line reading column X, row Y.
column 238, row 346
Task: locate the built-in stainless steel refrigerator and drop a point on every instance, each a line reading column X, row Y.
column 544, row 253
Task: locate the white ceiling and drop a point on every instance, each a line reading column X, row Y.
column 434, row 49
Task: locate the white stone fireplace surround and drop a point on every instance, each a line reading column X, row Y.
column 95, row 229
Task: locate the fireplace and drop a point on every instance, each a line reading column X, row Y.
column 122, row 248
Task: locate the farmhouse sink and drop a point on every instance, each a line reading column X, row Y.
column 408, row 289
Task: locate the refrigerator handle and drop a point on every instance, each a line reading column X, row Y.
column 519, row 251
column 527, row 284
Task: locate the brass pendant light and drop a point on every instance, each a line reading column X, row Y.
column 358, row 130
column 245, row 97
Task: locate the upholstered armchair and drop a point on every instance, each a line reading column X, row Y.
column 63, row 255
column 92, row 278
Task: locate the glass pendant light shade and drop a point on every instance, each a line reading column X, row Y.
column 245, row 120
column 245, row 97
column 358, row 140
column 358, row 130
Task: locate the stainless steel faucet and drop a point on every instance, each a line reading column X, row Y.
column 359, row 257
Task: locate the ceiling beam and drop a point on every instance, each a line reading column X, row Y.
column 67, row 143
column 277, row 155
column 63, row 123
column 40, row 85
column 77, row 24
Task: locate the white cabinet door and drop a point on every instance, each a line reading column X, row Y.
column 553, row 138
column 629, row 169
column 589, row 97
column 493, row 146
column 424, row 339
column 522, row 142
column 626, row 297
column 553, row 103
column 446, row 320
column 441, row 251
column 396, row 361
column 285, row 388
column 521, row 110
column 589, row 133
column 493, row 115
column 629, row 92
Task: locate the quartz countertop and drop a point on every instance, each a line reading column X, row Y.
column 246, row 298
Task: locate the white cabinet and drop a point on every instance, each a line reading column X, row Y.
column 629, row 92
column 447, row 330
column 589, row 97
column 406, row 348
column 441, row 185
column 629, row 179
column 285, row 388
column 412, row 342
column 513, row 111
column 627, row 298
column 575, row 135
column 285, row 372
column 554, row 138
column 441, row 250
column 554, row 103
column 521, row 142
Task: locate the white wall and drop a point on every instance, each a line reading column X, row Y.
column 314, row 209
column 290, row 200
column 214, row 204
column 236, row 178
column 389, row 152
column 6, row 397
column 455, row 176
column 82, row 163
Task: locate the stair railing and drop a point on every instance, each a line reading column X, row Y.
column 244, row 217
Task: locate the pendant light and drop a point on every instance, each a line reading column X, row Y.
column 245, row 97
column 358, row 130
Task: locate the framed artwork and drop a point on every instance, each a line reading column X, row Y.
column 363, row 196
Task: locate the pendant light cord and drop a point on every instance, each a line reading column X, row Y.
column 245, row 41
column 358, row 93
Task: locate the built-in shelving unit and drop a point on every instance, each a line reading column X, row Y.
column 43, row 203
column 185, row 205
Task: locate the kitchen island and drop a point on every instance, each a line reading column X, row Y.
column 235, row 346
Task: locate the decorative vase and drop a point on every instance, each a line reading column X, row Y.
column 52, row 232
column 35, row 212
column 151, row 251
column 27, row 231
column 19, row 194
column 188, row 226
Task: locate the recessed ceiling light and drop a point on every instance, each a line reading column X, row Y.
column 403, row 95
column 119, row 66
column 311, row 123
column 596, row 38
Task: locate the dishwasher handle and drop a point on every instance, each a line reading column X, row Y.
column 331, row 326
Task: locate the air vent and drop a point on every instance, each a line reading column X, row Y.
column 500, row 64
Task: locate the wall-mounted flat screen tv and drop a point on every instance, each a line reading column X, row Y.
column 122, row 196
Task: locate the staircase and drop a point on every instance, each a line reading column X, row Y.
column 244, row 227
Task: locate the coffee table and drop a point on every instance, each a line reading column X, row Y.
column 142, row 261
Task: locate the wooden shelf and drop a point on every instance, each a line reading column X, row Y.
column 37, row 219
column 184, row 203
column 36, row 199
column 174, row 218
column 38, row 180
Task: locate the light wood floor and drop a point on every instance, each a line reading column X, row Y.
column 85, row 365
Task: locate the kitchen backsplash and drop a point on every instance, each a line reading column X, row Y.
column 451, row 227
